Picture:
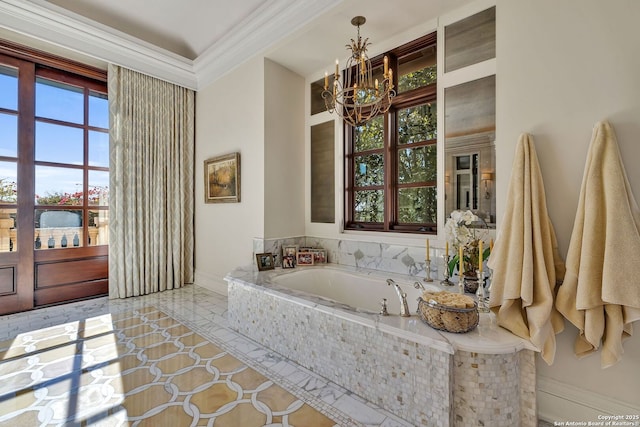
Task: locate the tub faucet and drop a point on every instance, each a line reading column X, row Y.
column 419, row 285
column 404, row 307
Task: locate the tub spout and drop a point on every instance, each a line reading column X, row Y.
column 404, row 307
column 419, row 285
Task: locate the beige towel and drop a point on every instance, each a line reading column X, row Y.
column 601, row 291
column 525, row 259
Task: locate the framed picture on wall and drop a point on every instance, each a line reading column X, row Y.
column 265, row 261
column 222, row 179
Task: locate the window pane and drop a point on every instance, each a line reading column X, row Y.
column 98, row 188
column 58, row 186
column 370, row 135
column 98, row 149
column 57, row 229
column 8, row 223
column 417, row 124
column 417, row 69
column 369, row 170
column 60, row 144
column 98, row 227
column 8, row 135
column 8, row 88
column 369, row 206
column 417, row 205
column 8, row 179
column 417, row 164
column 98, row 110
column 59, row 101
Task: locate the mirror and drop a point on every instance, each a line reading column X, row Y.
column 470, row 115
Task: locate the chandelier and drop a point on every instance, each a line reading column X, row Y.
column 360, row 97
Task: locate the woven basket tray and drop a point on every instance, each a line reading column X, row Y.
column 449, row 319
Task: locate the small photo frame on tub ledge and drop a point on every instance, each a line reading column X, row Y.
column 304, row 258
column 289, row 250
column 222, row 179
column 288, row 261
column 265, row 261
column 319, row 256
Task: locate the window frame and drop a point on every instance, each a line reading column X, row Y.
column 415, row 97
column 31, row 65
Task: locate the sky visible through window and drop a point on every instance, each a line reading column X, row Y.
column 55, row 143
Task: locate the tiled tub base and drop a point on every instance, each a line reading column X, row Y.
column 420, row 383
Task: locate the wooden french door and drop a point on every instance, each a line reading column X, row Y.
column 53, row 181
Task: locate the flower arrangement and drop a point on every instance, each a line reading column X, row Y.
column 465, row 229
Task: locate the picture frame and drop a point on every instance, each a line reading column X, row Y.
column 319, row 256
column 288, row 261
column 222, row 179
column 265, row 261
column 304, row 258
column 289, row 250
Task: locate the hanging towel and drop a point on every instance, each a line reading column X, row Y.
column 601, row 292
column 525, row 259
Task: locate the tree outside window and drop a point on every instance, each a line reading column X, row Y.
column 392, row 160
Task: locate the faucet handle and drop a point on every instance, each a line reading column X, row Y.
column 383, row 310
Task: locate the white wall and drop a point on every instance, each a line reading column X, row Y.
column 562, row 66
column 230, row 118
column 284, row 152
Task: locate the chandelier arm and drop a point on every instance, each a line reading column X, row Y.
column 360, row 98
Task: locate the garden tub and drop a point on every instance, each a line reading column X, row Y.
column 326, row 318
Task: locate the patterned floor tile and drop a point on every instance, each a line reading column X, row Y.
column 137, row 368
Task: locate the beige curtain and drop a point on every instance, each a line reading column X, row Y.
column 151, row 183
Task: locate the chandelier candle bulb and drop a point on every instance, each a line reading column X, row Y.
column 326, row 80
column 337, row 69
column 480, row 256
column 386, row 67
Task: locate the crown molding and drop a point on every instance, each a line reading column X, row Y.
column 266, row 26
column 48, row 24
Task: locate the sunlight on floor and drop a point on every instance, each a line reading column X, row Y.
column 140, row 367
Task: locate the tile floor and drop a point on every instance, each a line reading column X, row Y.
column 153, row 371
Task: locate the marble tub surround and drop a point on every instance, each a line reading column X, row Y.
column 401, row 364
column 488, row 337
column 401, row 259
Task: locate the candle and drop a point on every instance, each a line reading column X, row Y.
column 326, row 80
column 386, row 67
column 491, row 245
column 480, row 256
column 428, row 257
column 446, row 248
column 460, row 260
column 337, row 70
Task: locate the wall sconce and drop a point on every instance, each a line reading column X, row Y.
column 485, row 177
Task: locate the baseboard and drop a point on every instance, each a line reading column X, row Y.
column 558, row 401
column 211, row 282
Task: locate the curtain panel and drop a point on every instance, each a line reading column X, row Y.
column 151, row 206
